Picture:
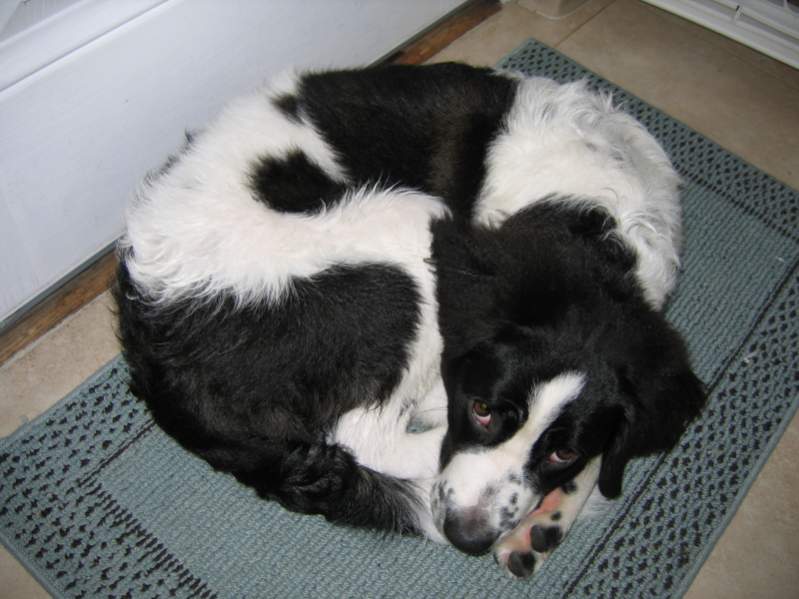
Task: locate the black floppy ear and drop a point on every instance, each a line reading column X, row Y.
column 463, row 251
column 659, row 395
column 465, row 259
column 615, row 457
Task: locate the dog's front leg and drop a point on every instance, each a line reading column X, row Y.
column 522, row 551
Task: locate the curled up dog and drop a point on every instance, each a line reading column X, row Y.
column 418, row 299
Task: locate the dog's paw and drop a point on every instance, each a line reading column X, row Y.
column 313, row 477
column 522, row 551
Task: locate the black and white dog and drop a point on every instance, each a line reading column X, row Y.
column 419, row 299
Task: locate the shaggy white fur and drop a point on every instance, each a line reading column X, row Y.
column 564, row 140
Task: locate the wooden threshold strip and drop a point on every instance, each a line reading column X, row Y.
column 62, row 302
column 97, row 278
column 442, row 34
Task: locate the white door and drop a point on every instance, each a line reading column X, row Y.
column 95, row 93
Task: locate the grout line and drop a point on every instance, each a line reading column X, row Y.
column 586, row 22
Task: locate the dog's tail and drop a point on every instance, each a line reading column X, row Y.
column 326, row 479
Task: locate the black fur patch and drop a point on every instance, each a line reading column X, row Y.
column 294, row 183
column 423, row 128
column 289, row 105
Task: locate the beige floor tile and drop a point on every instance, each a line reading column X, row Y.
column 38, row 377
column 686, row 71
column 754, row 59
column 497, row 36
column 16, row 582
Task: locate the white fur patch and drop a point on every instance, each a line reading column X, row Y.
column 379, row 436
column 547, row 402
column 563, row 139
column 198, row 244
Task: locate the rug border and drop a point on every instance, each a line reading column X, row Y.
column 30, row 564
column 746, row 485
column 26, row 563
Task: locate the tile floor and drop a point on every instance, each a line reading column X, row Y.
column 744, row 101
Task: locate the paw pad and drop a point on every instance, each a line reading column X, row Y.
column 521, row 564
column 545, row 538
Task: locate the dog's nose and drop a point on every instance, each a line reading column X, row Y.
column 469, row 532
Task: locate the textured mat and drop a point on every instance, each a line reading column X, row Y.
column 97, row 502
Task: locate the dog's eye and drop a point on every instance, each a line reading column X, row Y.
column 481, row 412
column 562, row 457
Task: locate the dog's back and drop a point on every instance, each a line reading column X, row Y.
column 276, row 303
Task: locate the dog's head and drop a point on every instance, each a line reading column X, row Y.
column 552, row 357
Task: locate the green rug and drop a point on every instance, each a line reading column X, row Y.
column 97, row 502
